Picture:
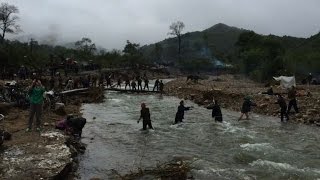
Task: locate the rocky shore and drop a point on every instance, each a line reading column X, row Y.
column 46, row 155
column 230, row 90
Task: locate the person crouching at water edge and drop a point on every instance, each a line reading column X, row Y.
column 216, row 111
column 145, row 116
column 180, row 112
column 36, row 100
column 246, row 107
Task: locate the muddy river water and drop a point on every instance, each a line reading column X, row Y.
column 262, row 148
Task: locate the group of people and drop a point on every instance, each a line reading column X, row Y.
column 36, row 91
column 216, row 110
column 284, row 109
column 135, row 84
column 145, row 113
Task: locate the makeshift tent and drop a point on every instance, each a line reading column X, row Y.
column 286, row 81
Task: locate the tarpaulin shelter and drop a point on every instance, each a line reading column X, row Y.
column 286, row 81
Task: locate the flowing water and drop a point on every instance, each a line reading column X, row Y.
column 262, row 148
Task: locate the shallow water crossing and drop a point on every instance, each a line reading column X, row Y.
column 262, row 148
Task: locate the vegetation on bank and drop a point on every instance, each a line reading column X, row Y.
column 258, row 56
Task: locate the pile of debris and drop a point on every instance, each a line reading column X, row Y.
column 173, row 170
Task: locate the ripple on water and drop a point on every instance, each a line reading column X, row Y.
column 284, row 167
column 257, row 147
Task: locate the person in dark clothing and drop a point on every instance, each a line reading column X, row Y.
column 127, row 83
column 161, row 86
column 216, row 111
column 156, row 85
column 146, row 84
column 180, row 112
column 139, row 84
column 77, row 124
column 292, row 100
column 283, row 107
column 133, row 85
column 108, row 79
column 119, row 82
column 246, row 107
column 145, row 116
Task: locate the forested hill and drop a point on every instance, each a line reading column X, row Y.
column 217, row 41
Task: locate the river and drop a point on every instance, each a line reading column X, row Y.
column 262, row 148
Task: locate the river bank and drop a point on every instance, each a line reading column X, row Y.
column 230, row 90
column 46, row 155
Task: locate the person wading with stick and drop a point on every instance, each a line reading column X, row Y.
column 36, row 100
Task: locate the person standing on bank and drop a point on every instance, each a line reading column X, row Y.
column 36, row 100
column 145, row 116
column 216, row 111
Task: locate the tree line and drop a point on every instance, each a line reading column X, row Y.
column 260, row 57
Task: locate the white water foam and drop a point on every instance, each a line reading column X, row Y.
column 256, row 146
column 282, row 166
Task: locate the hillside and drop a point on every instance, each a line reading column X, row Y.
column 217, row 41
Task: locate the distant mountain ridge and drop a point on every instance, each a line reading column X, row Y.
column 217, row 41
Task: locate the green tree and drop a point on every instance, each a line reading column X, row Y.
column 261, row 56
column 133, row 54
column 158, row 52
column 85, row 48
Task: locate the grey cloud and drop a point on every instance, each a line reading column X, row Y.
column 110, row 23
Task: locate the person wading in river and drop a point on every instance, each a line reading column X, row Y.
column 36, row 100
column 216, row 111
column 145, row 116
column 283, row 107
column 161, row 86
column 292, row 93
column 246, row 107
column 180, row 112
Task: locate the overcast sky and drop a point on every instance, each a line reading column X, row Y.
column 110, row 23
